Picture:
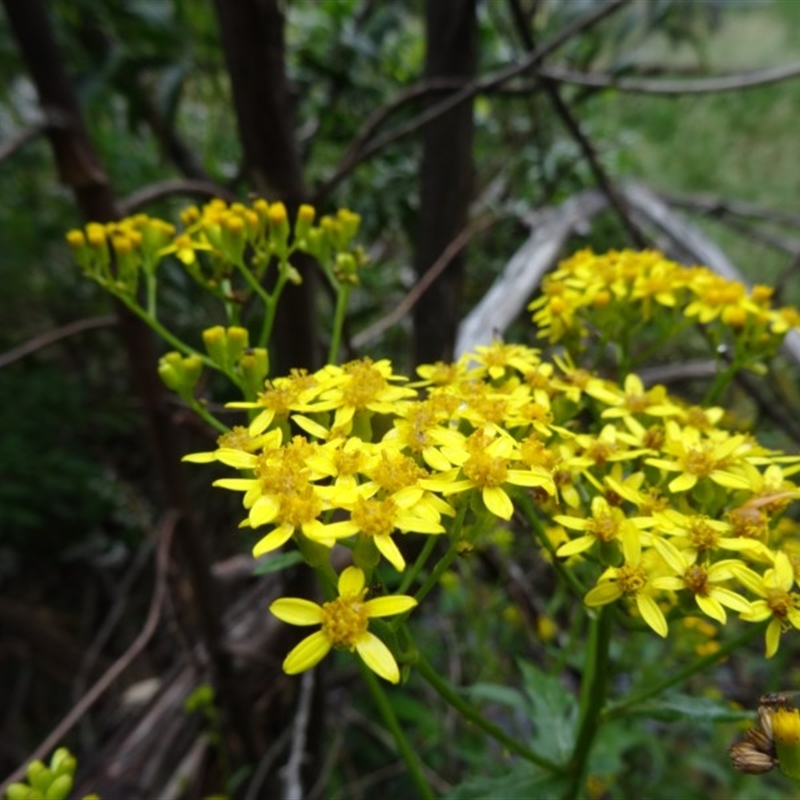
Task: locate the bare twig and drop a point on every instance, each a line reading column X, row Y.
column 178, row 186
column 576, row 131
column 469, row 91
column 718, row 206
column 291, row 773
column 19, row 140
column 511, row 290
column 420, row 287
column 164, row 536
column 47, row 338
column 721, row 83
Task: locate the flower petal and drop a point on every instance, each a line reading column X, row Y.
column 498, row 502
column 391, row 604
column 272, row 541
column 390, row 551
column 378, row 657
column 351, row 582
column 606, row 592
column 307, row 654
column 296, row 611
column 652, row 614
column 264, row 510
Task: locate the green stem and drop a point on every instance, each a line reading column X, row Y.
column 721, row 383
column 206, row 415
column 150, row 287
column 621, row 708
column 162, row 332
column 447, row 559
column 594, row 688
column 525, row 504
column 252, row 282
column 411, row 574
column 272, row 306
column 342, row 296
column 449, row 695
column 403, row 745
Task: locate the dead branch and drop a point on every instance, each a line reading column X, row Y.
column 469, row 91
column 525, row 269
column 164, row 533
column 721, row 83
column 177, row 186
column 573, row 126
column 371, row 333
column 19, row 140
column 47, row 338
column 718, row 206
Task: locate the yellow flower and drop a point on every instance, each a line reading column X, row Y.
column 702, row 580
column 607, row 524
column 696, row 457
column 344, row 624
column 483, row 461
column 630, row 580
column 777, row 600
column 361, row 386
column 378, row 520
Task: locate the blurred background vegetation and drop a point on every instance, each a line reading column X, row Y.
column 165, row 105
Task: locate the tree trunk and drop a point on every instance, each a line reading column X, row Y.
column 446, row 178
column 253, row 42
column 80, row 169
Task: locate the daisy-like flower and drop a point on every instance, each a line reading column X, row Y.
column 280, row 397
column 696, row 457
column 632, row 580
column 607, row 524
column 497, row 358
column 361, row 386
column 633, row 399
column 378, row 519
column 776, row 599
column 344, row 622
column 703, row 581
column 483, row 461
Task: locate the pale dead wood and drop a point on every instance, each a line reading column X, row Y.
column 509, row 294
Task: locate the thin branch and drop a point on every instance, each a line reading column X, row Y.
column 416, row 91
column 469, row 91
column 19, row 140
column 722, row 83
column 164, row 537
column 423, row 284
column 291, row 773
column 47, row 338
column 717, row 206
column 177, row 186
column 573, row 126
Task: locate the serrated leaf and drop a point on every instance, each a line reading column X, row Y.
column 683, row 706
column 523, row 782
column 495, row 693
column 554, row 712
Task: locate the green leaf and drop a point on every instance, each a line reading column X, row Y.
column 683, row 706
column 277, row 563
column 523, row 782
column 554, row 712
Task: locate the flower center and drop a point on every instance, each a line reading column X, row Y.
column 484, row 470
column 375, row 517
column 632, row 578
column 345, row 620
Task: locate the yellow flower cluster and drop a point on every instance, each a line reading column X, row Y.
column 650, row 502
column 591, row 292
column 215, row 241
